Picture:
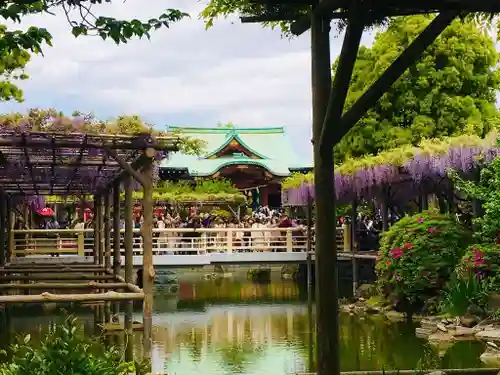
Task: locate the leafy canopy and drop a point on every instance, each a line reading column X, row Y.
column 449, row 91
column 16, row 45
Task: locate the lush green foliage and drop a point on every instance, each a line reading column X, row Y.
column 16, row 45
column 475, row 277
column 451, row 90
column 462, row 293
column 486, row 191
column 418, row 255
column 397, row 156
column 55, row 121
column 481, row 261
column 66, row 350
column 204, row 190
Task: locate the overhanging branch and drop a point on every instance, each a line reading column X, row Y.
column 392, row 74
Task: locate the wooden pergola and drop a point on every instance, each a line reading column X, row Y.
column 331, row 122
column 77, row 164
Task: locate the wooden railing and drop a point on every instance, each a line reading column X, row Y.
column 169, row 241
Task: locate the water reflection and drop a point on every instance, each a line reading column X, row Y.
column 236, row 327
column 240, row 327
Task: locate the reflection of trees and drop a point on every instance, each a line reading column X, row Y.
column 376, row 343
column 227, row 290
column 236, row 356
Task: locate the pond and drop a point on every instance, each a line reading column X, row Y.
column 233, row 326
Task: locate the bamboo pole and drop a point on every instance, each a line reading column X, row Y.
column 148, row 266
column 107, row 231
column 94, row 297
column 56, row 277
column 89, row 285
column 10, row 229
column 100, row 228
column 51, row 270
column 129, row 267
column 116, row 238
column 96, row 229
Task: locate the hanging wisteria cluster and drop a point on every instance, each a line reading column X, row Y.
column 404, row 171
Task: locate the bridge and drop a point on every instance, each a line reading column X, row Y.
column 181, row 247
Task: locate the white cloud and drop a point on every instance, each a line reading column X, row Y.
column 234, row 72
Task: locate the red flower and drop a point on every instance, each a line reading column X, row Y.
column 396, row 253
column 432, row 230
column 408, row 246
column 420, row 220
column 387, row 262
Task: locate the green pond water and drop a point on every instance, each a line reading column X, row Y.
column 236, row 327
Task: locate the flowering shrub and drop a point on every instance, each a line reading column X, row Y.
column 481, row 261
column 419, row 254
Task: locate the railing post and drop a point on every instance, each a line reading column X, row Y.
column 81, row 243
column 346, row 228
column 289, row 240
column 10, row 227
column 229, row 240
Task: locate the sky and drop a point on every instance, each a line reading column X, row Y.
column 184, row 76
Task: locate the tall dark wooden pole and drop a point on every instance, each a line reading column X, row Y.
column 3, row 230
column 129, row 266
column 147, row 248
column 100, row 228
column 326, row 272
column 107, row 231
column 327, row 112
column 10, row 225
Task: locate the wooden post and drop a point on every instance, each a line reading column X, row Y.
column 354, row 248
column 310, row 291
column 328, row 105
column 107, row 232
column 147, row 248
column 384, row 206
column 100, row 228
column 10, row 229
column 116, row 237
column 3, row 222
column 129, row 266
column 95, row 226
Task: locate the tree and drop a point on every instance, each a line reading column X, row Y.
column 16, row 46
column 451, row 90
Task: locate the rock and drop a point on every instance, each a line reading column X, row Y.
column 469, row 321
column 431, row 306
column 394, row 315
column 441, row 337
column 429, row 325
column 371, row 310
column 441, row 327
column 489, row 335
column 463, row 332
column 491, row 358
column 422, row 332
column 366, row 291
column 437, row 372
column 361, row 299
column 474, row 310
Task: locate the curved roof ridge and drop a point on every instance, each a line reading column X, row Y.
column 234, row 136
column 224, row 130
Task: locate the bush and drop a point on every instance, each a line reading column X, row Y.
column 419, row 254
column 481, row 261
column 65, row 351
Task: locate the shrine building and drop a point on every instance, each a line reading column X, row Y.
column 256, row 160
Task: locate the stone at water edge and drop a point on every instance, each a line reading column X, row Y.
column 441, row 327
column 463, row 332
column 489, row 334
column 491, row 358
column 437, row 372
column 469, row 321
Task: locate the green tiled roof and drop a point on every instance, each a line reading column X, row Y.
column 270, row 144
